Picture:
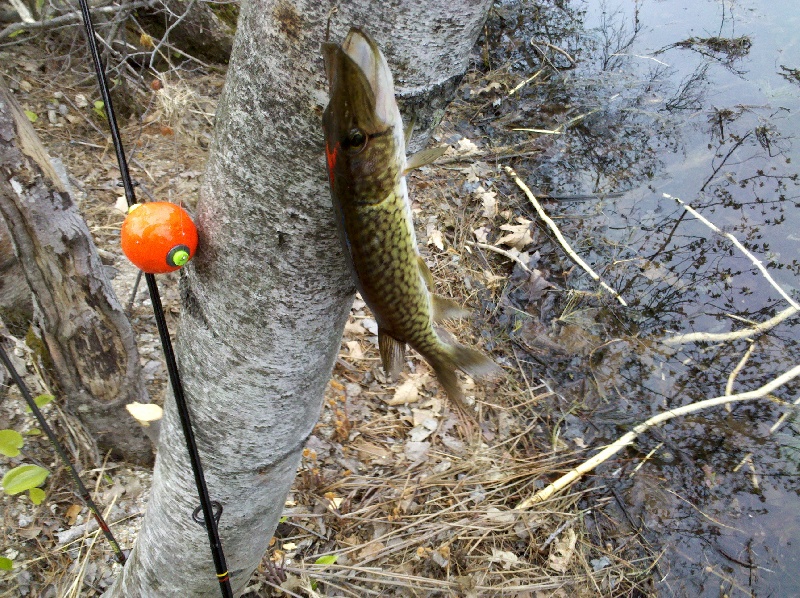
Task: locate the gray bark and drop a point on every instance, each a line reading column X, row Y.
column 88, row 341
column 16, row 303
column 266, row 298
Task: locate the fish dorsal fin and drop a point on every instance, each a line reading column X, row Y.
column 424, row 157
column 393, row 353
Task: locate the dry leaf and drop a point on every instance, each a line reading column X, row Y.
column 562, row 551
column 354, row 327
column 416, row 451
column 482, row 234
column 519, row 235
column 370, row 451
column 506, row 558
column 489, row 202
column 72, row 513
column 371, row 549
column 435, row 238
column 407, row 392
column 465, row 146
column 354, row 347
column 145, row 413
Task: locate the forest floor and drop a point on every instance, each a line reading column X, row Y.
column 396, row 495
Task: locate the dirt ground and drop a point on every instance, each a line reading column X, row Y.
column 412, row 501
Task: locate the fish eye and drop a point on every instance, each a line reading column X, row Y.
column 356, row 140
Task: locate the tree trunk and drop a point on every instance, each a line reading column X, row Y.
column 88, row 340
column 16, row 304
column 266, row 298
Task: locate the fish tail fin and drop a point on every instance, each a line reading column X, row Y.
column 472, row 362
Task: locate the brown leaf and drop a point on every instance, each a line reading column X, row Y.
column 72, row 513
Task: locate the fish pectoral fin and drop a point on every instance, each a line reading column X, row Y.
column 393, row 353
column 424, row 157
column 426, row 273
column 443, row 308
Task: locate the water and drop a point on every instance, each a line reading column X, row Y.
column 697, row 100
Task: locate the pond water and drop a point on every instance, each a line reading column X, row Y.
column 651, row 101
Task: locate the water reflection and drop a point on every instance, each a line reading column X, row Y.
column 646, row 102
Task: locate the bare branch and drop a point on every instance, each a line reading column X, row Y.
column 587, row 466
column 69, row 18
column 693, row 337
column 543, row 215
column 756, row 262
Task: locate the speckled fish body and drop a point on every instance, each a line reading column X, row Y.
column 365, row 149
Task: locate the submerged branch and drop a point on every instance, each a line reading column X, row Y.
column 756, row 262
column 627, row 439
column 543, row 215
column 693, row 337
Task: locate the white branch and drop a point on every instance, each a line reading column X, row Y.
column 692, row 337
column 547, row 220
column 628, row 438
column 741, row 247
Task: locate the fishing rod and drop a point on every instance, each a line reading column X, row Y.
column 211, row 510
column 82, row 491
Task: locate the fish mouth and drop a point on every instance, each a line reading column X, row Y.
column 360, row 81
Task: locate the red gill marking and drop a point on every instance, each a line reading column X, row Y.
column 331, row 156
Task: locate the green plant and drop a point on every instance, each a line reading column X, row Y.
column 22, row 477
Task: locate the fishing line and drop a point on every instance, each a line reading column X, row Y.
column 211, row 510
column 82, row 491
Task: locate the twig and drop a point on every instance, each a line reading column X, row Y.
column 693, row 337
column 737, row 369
column 525, row 82
column 22, row 10
column 783, row 417
column 163, row 40
column 69, row 18
column 503, row 252
column 560, row 237
column 756, row 262
column 627, row 439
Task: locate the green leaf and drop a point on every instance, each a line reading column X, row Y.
column 41, row 401
column 32, row 116
column 328, row 559
column 24, row 478
column 33, row 432
column 36, row 495
column 100, row 109
column 6, row 564
column 10, row 442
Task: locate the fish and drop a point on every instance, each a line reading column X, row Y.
column 365, row 148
